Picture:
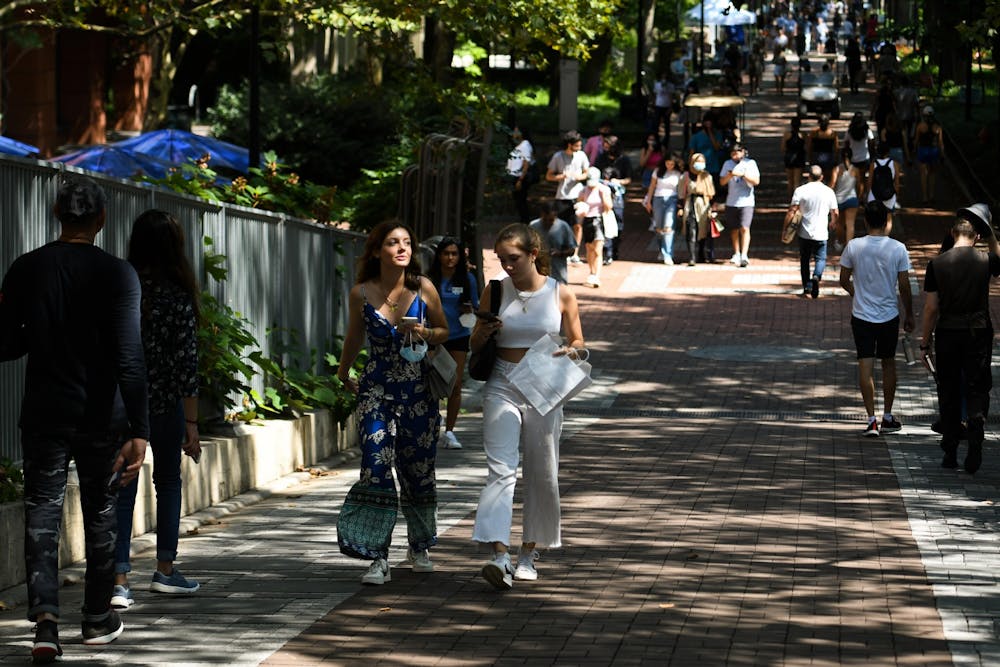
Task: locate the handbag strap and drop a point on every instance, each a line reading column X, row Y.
column 495, row 296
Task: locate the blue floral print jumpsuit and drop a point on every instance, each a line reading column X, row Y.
column 399, row 423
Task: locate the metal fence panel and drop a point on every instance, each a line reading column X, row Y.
column 282, row 272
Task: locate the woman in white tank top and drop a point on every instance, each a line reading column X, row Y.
column 532, row 304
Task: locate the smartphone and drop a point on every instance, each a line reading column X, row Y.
column 409, row 320
column 487, row 315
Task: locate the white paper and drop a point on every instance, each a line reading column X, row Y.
column 548, row 382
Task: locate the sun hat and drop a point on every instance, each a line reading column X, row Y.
column 980, row 217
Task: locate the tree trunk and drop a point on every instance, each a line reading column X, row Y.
column 593, row 71
column 439, row 48
column 165, row 63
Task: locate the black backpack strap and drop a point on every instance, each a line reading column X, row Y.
column 495, row 297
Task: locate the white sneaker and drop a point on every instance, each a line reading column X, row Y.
column 420, row 560
column 499, row 572
column 668, row 261
column 735, row 259
column 377, row 574
column 574, row 259
column 526, row 566
column 591, row 279
column 450, row 441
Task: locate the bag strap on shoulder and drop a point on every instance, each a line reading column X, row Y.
column 495, row 297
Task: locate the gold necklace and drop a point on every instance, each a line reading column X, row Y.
column 393, row 305
column 520, row 295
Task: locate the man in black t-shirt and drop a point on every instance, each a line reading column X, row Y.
column 957, row 315
column 73, row 309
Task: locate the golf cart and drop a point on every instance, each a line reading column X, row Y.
column 819, row 87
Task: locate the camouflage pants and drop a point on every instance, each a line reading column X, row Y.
column 46, row 465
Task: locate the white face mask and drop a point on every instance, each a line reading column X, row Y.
column 699, row 166
column 467, row 320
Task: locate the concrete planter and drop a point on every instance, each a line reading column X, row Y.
column 255, row 456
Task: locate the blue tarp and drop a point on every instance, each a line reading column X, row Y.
column 13, row 147
column 180, row 147
column 111, row 160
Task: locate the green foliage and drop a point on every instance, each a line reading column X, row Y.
column 11, row 482
column 272, row 188
column 294, row 383
column 223, row 338
column 229, row 359
column 359, row 136
column 329, row 128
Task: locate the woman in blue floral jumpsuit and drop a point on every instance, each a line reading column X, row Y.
column 399, row 419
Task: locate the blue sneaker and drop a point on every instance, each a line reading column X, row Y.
column 174, row 583
column 121, row 598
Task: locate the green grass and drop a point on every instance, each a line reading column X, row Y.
column 533, row 111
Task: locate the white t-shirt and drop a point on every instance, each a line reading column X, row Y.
column 815, row 199
column 520, row 158
column 876, row 262
column 666, row 185
column 663, row 92
column 573, row 166
column 859, row 149
column 740, row 192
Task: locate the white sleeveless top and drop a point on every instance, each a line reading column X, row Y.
column 527, row 316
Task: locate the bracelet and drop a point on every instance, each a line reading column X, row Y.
column 191, row 421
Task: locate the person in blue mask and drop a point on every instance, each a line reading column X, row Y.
column 400, row 312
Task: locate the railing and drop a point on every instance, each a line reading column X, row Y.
column 283, row 272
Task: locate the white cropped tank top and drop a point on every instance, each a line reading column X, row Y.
column 527, row 316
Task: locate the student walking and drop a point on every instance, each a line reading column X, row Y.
column 400, row 313
column 531, row 305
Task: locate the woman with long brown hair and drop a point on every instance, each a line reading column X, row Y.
column 532, row 304
column 169, row 316
column 400, row 313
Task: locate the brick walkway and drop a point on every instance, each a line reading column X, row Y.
column 719, row 507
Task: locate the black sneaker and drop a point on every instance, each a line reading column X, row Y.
column 871, row 431
column 814, row 289
column 974, row 458
column 950, row 460
column 890, row 426
column 102, row 632
column 46, row 648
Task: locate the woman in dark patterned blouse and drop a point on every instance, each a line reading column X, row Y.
column 170, row 343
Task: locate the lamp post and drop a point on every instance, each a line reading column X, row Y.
column 701, row 42
column 254, row 115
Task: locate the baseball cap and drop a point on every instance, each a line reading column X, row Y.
column 593, row 176
column 928, row 110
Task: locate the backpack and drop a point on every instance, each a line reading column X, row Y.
column 883, row 185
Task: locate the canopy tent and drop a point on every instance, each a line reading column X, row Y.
column 720, row 12
column 14, row 147
column 111, row 160
column 179, row 147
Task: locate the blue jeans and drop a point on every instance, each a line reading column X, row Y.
column 664, row 220
column 166, row 435
column 809, row 249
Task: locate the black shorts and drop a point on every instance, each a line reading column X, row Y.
column 457, row 344
column 875, row 340
column 593, row 230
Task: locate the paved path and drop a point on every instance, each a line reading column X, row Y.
column 719, row 508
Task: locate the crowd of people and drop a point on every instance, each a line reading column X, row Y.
column 113, row 368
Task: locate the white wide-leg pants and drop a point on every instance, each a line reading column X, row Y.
column 510, row 424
